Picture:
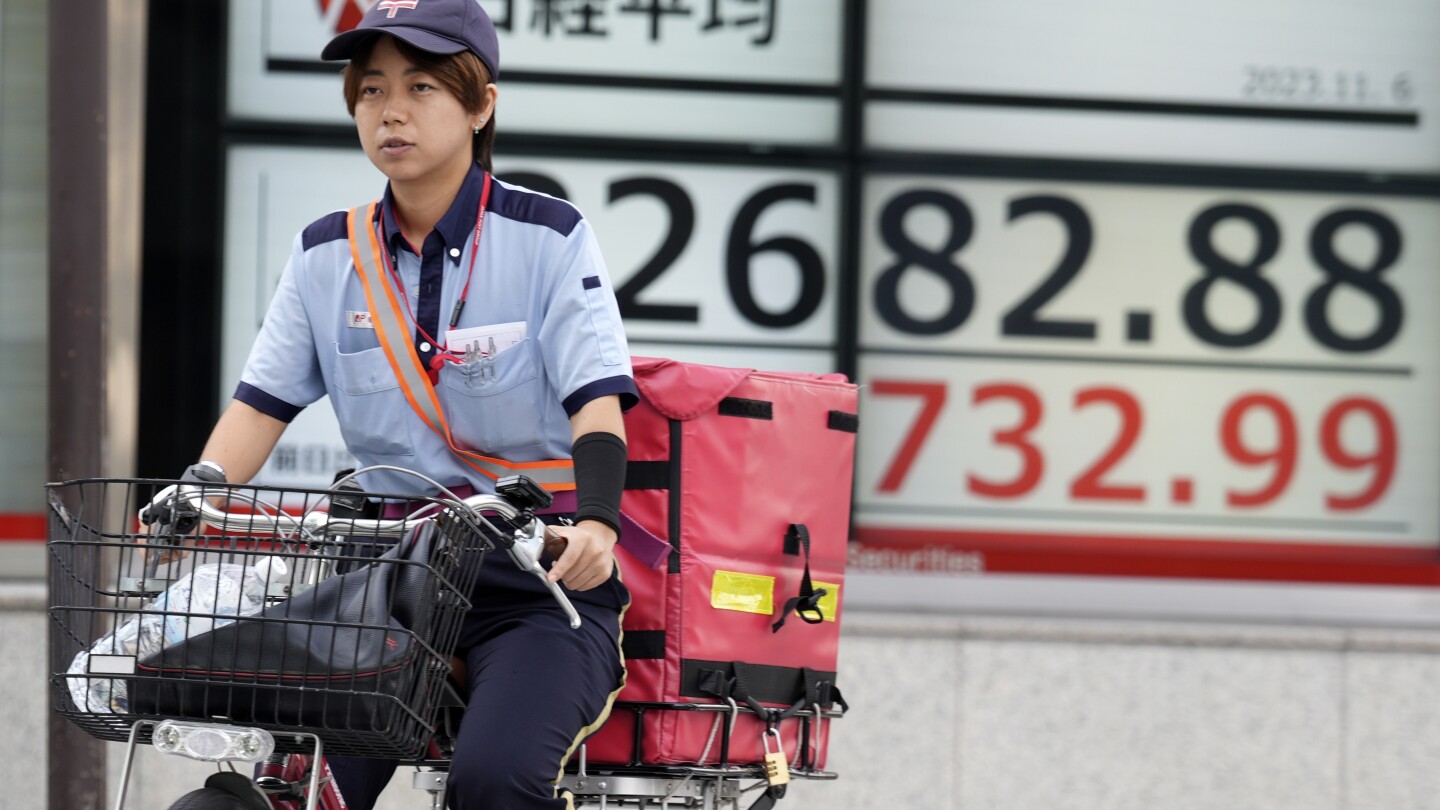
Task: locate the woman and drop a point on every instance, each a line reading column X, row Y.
column 510, row 265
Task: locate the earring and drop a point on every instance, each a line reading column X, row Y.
column 476, row 130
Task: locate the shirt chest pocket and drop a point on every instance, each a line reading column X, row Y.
column 369, row 404
column 498, row 404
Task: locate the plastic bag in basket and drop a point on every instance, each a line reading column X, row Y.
column 213, row 588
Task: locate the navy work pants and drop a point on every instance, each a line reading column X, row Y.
column 536, row 688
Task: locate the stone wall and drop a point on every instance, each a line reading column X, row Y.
column 1000, row 713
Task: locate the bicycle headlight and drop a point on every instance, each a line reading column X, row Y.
column 212, row 742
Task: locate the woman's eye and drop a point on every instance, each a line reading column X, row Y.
column 422, row 87
column 369, row 91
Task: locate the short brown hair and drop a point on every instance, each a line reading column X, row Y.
column 463, row 74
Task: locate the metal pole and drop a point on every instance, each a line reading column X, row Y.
column 96, row 106
column 77, row 300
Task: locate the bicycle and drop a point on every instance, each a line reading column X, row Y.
column 203, row 589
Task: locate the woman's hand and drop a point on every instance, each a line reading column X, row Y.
column 583, row 554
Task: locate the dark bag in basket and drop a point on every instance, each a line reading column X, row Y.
column 348, row 654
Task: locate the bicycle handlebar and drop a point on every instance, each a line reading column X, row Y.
column 524, row 547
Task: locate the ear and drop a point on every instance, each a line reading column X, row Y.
column 487, row 103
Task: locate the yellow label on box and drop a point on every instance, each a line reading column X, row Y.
column 830, row 602
column 748, row 593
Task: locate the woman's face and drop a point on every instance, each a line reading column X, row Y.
column 412, row 128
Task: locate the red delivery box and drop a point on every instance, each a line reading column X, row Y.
column 747, row 475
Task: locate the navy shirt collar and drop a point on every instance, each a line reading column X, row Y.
column 454, row 228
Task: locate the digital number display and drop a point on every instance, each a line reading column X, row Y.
column 1244, row 273
column 1256, row 432
column 1078, row 360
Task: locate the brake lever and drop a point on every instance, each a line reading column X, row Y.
column 175, row 518
column 152, row 511
column 525, row 551
column 166, row 524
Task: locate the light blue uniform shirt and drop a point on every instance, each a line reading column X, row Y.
column 539, row 264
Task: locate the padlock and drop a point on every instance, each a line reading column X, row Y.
column 777, row 770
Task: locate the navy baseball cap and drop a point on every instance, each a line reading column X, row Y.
column 436, row 26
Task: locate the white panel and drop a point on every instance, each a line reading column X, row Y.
column 698, row 39
column 724, row 66
column 1172, row 475
column 1148, row 248
column 1329, row 84
column 623, row 112
column 1329, row 397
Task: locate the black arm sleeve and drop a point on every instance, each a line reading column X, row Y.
column 599, row 477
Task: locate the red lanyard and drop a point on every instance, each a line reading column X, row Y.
column 464, row 293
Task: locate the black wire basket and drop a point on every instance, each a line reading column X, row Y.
column 348, row 637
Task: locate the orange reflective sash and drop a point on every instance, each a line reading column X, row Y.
column 390, row 320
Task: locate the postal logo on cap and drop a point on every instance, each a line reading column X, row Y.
column 394, row 6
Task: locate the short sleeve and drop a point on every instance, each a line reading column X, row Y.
column 282, row 374
column 581, row 335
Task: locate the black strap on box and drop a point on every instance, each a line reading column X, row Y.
column 807, row 603
column 843, row 421
column 663, row 475
column 802, row 687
